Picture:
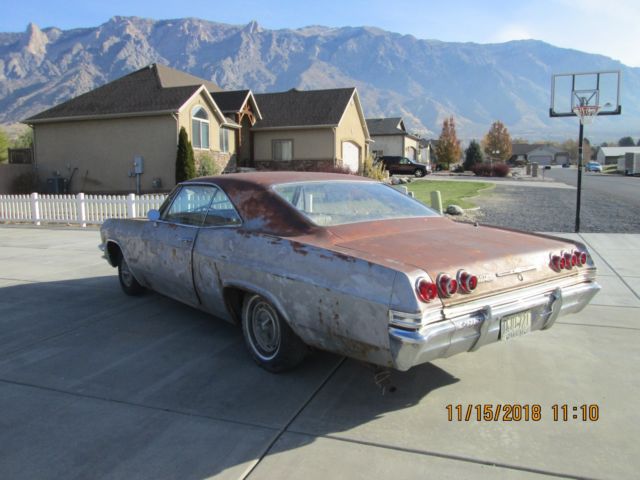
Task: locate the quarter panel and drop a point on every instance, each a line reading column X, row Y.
column 332, row 301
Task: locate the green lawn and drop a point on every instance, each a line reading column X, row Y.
column 457, row 193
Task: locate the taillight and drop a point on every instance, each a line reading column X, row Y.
column 558, row 263
column 426, row 290
column 582, row 258
column 467, row 282
column 570, row 260
column 448, row 286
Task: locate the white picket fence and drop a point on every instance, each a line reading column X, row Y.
column 75, row 209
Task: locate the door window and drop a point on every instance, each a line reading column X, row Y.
column 221, row 212
column 190, row 205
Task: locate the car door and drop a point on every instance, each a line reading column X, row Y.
column 405, row 166
column 216, row 247
column 169, row 241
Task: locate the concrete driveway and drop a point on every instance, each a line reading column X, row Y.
column 95, row 384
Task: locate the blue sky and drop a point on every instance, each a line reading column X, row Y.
column 597, row 26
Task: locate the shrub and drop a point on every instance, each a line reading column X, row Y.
column 458, row 169
column 500, row 170
column 371, row 170
column 481, row 169
column 206, row 166
column 488, row 170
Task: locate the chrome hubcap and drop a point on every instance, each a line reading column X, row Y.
column 264, row 330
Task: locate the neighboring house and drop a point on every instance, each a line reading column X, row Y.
column 428, row 151
column 610, row 155
column 390, row 137
column 313, row 129
column 538, row 153
column 93, row 139
column 240, row 106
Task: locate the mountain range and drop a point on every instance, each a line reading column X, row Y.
column 424, row 81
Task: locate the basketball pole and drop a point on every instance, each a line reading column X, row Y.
column 579, row 190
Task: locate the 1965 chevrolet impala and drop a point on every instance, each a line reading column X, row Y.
column 345, row 264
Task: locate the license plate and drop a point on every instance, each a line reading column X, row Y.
column 515, row 325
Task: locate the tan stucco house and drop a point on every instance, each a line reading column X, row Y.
column 390, row 137
column 94, row 138
column 311, row 129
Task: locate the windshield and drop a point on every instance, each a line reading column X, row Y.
column 341, row 202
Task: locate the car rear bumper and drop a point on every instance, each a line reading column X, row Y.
column 468, row 331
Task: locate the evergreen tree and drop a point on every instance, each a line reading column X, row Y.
column 497, row 142
column 473, row 155
column 185, row 163
column 448, row 149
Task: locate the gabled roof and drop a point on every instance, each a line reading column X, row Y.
column 386, row 126
column 523, row 148
column 618, row 151
column 234, row 101
column 170, row 78
column 309, row 108
column 153, row 89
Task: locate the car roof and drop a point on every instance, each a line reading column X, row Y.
column 264, row 210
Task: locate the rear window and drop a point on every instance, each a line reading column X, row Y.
column 343, row 202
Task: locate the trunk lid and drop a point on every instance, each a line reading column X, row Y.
column 501, row 259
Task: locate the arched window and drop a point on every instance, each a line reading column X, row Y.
column 200, row 128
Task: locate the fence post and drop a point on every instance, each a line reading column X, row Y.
column 81, row 210
column 35, row 208
column 131, row 205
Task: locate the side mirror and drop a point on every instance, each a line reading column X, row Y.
column 153, row 215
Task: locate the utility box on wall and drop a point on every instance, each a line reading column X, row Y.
column 138, row 165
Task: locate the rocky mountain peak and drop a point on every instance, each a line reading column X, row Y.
column 35, row 40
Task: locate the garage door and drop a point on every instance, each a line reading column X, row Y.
column 351, row 156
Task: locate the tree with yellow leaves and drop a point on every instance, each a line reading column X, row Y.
column 448, row 150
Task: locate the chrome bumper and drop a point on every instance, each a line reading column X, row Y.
column 469, row 331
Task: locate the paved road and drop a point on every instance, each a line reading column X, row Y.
column 626, row 189
column 95, row 384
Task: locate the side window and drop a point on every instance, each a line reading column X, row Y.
column 404, row 161
column 190, row 205
column 221, row 212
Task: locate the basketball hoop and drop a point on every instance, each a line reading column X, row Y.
column 586, row 113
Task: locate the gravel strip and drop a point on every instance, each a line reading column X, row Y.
column 541, row 209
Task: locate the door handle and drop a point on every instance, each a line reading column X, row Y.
column 186, row 240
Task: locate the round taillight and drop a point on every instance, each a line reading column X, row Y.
column 448, row 286
column 557, row 262
column 582, row 258
column 570, row 260
column 467, row 282
column 426, row 290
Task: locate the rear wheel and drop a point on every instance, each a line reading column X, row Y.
column 128, row 282
column 419, row 172
column 268, row 337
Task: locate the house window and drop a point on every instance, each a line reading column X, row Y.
column 282, row 150
column 200, row 128
column 224, row 140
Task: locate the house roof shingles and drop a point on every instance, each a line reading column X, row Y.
column 296, row 108
column 231, row 101
column 386, row 126
column 155, row 88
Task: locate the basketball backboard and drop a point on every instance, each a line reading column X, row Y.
column 593, row 89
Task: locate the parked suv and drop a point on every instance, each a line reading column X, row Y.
column 593, row 167
column 404, row 166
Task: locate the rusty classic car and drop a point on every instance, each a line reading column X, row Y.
column 345, row 264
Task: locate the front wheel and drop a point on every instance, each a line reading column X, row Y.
column 418, row 173
column 268, row 337
column 128, row 282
